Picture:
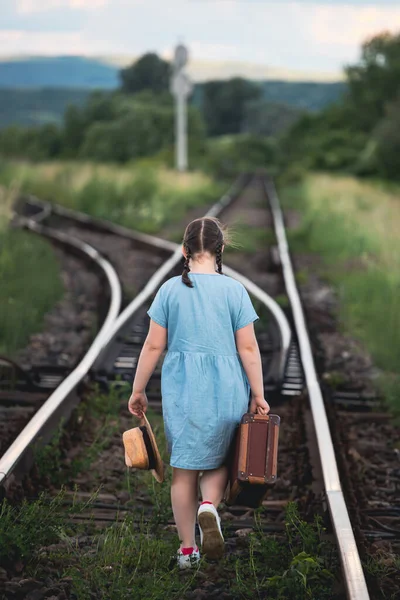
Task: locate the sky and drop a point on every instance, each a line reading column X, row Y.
column 308, row 35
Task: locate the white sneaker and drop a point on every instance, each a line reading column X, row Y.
column 212, row 540
column 188, row 561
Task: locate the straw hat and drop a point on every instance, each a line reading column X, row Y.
column 141, row 450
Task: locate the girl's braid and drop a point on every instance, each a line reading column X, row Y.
column 218, row 257
column 186, row 268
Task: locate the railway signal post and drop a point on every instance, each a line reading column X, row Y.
column 181, row 88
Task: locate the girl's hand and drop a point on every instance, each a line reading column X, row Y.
column 137, row 404
column 259, row 405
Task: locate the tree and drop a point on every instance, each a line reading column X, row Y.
column 224, row 104
column 269, row 118
column 49, row 141
column 100, row 106
column 230, row 155
column 35, row 143
column 375, row 80
column 387, row 138
column 73, row 131
column 150, row 72
column 140, row 130
column 10, row 141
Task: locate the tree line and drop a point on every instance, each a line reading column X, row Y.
column 138, row 119
column 108, row 127
column 361, row 133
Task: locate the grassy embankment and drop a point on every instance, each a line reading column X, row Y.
column 143, row 197
column 353, row 226
column 29, row 281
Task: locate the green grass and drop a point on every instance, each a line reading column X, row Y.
column 27, row 527
column 145, row 196
column 30, row 283
column 353, row 227
column 301, row 566
column 128, row 561
column 97, row 417
column 247, row 239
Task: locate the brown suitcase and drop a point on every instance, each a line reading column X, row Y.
column 253, row 469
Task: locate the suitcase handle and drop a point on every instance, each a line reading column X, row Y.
column 272, row 460
column 250, row 417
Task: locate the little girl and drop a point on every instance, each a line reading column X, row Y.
column 212, row 363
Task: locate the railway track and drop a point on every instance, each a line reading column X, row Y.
column 307, row 455
column 119, row 338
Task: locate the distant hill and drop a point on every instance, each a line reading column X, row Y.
column 37, row 107
column 305, row 95
column 58, row 72
column 308, row 95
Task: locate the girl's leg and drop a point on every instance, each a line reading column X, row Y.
column 184, row 499
column 213, row 485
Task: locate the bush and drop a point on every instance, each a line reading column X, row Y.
column 229, row 156
column 387, row 138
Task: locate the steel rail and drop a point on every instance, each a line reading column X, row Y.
column 356, row 586
column 101, row 224
column 114, row 323
column 34, row 428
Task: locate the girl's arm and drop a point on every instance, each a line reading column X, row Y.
column 153, row 347
column 249, row 353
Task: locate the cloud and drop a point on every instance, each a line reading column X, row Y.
column 88, row 4
column 350, row 26
column 44, row 44
column 212, row 51
column 47, row 15
column 32, row 6
column 304, row 35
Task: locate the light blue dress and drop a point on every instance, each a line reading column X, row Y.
column 205, row 391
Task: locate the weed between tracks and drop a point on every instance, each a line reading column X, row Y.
column 298, row 567
column 134, row 554
column 95, row 422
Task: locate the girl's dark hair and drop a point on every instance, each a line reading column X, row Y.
column 203, row 235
